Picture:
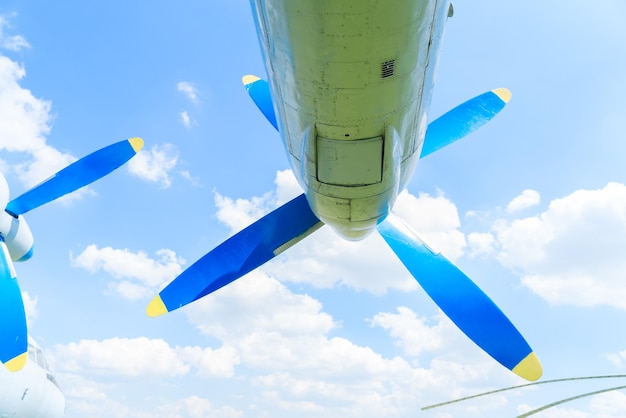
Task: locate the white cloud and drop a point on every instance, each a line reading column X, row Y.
column 24, row 123
column 605, row 405
column 220, row 362
column 618, row 359
column 13, row 42
column 185, row 118
column 138, row 275
column 30, row 306
column 155, row 164
column 239, row 213
column 197, row 407
column 287, row 187
column 122, row 356
column 412, row 333
column 189, row 90
column 258, row 303
column 436, row 219
column 608, row 405
column 481, row 244
column 283, row 339
column 325, row 260
column 573, row 252
column 142, row 356
column 108, row 408
column 105, row 397
column 554, row 412
column 87, row 392
column 527, row 199
column 187, row 176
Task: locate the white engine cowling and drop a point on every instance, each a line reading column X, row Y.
column 14, row 231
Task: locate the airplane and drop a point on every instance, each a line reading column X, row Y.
column 16, row 238
column 349, row 88
column 33, row 391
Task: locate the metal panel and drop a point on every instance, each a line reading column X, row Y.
column 350, row 163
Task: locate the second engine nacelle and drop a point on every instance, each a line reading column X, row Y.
column 14, row 231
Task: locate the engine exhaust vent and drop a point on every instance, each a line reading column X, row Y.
column 387, row 68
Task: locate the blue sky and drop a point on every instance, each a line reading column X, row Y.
column 532, row 207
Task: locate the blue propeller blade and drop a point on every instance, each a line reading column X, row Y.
column 13, row 339
column 464, row 119
column 81, row 173
column 461, row 300
column 238, row 255
column 259, row 91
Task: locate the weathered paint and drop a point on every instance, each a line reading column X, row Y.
column 351, row 82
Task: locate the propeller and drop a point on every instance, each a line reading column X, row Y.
column 259, row 91
column 17, row 242
column 457, row 296
column 461, row 300
column 78, row 174
column 238, row 255
column 464, row 119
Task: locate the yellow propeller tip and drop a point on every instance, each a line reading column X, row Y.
column 249, row 79
column 16, row 363
column 529, row 368
column 136, row 143
column 503, row 94
column 156, row 307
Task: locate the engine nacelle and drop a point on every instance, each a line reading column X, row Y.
column 14, row 231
